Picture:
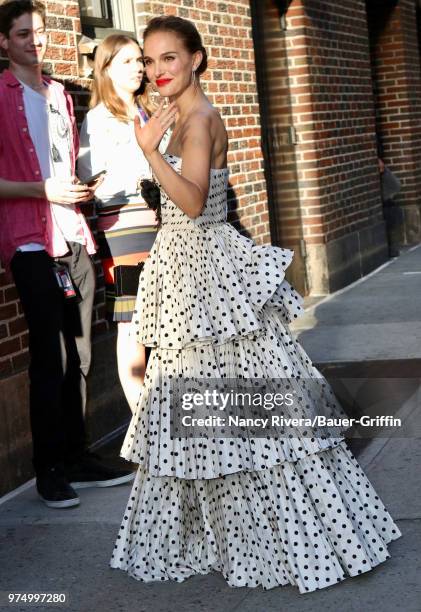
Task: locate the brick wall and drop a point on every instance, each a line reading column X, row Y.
column 13, row 332
column 230, row 82
column 335, row 118
column 319, row 134
column 63, row 23
column 334, row 202
column 395, row 50
column 276, row 63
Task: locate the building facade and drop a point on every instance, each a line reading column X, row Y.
column 312, row 93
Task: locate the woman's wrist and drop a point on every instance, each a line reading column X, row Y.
column 153, row 156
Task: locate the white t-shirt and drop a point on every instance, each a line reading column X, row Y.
column 50, row 131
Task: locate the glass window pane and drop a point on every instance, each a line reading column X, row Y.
column 123, row 15
column 93, row 8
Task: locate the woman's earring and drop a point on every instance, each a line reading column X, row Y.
column 193, row 77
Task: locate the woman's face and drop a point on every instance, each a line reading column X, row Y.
column 126, row 68
column 168, row 63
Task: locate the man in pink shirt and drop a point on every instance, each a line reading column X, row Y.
column 46, row 244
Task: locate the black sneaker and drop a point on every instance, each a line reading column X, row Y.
column 92, row 471
column 54, row 489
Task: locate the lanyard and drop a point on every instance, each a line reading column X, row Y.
column 142, row 113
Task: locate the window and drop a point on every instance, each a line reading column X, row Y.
column 96, row 13
column 102, row 17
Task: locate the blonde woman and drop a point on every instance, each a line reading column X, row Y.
column 126, row 226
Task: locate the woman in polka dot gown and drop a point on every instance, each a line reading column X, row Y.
column 262, row 511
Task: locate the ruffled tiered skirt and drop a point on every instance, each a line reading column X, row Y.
column 267, row 511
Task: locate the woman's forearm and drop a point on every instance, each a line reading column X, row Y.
column 20, row 189
column 188, row 196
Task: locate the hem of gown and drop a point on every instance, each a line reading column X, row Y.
column 359, row 572
column 276, row 528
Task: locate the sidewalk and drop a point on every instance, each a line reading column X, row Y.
column 377, row 318
column 377, row 321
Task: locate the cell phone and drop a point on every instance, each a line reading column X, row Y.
column 90, row 181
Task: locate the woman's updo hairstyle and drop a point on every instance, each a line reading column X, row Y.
column 185, row 30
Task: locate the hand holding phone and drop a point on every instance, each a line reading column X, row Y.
column 91, row 180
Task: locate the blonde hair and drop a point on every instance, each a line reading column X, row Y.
column 102, row 87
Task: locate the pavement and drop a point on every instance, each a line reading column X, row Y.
column 377, row 318
column 373, row 326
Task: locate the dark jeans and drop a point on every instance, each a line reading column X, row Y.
column 60, row 350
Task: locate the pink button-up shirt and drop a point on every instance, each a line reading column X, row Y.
column 24, row 220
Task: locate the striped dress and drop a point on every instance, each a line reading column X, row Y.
column 126, row 226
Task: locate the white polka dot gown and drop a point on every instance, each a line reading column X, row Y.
column 262, row 511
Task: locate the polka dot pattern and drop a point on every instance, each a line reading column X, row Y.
column 204, row 282
column 272, row 355
column 262, row 511
column 311, row 524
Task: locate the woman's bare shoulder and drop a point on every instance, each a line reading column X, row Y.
column 210, row 116
column 208, row 112
column 207, row 116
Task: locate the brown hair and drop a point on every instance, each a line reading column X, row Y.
column 185, row 30
column 11, row 10
column 102, row 87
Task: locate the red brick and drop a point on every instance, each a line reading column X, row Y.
column 5, row 367
column 3, row 331
column 17, row 326
column 20, row 361
column 24, row 340
column 69, row 55
column 8, row 311
column 7, row 347
column 10, row 294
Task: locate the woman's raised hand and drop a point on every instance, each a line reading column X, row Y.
column 150, row 135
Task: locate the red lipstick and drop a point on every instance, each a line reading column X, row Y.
column 162, row 82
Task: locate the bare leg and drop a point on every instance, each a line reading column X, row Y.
column 131, row 362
